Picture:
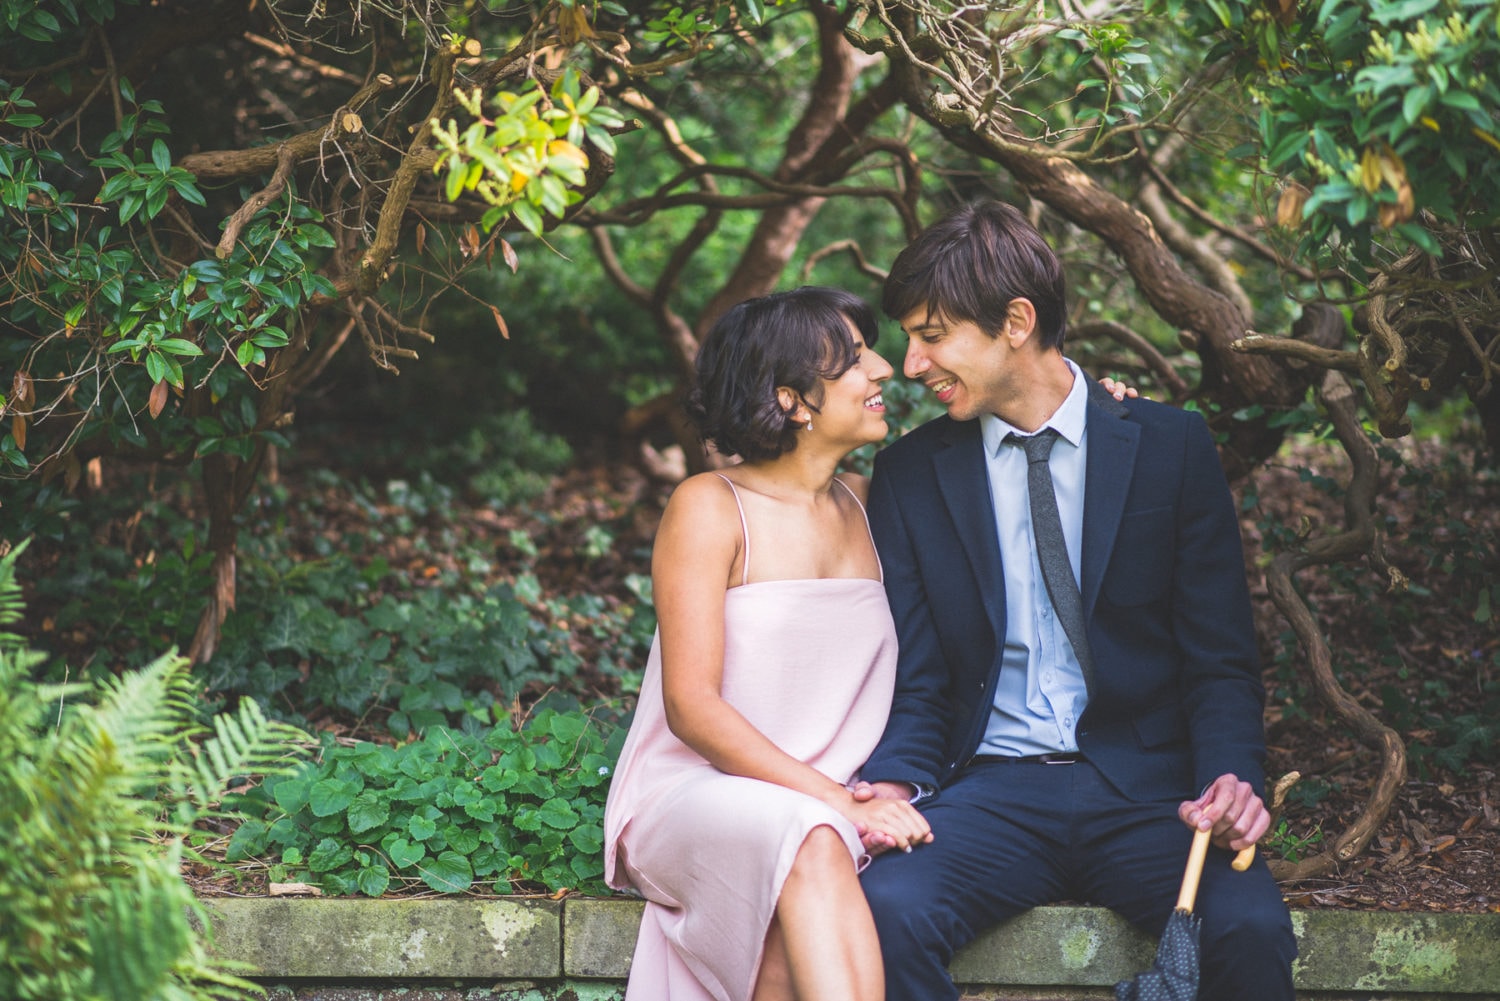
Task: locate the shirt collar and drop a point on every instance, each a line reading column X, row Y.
column 1067, row 420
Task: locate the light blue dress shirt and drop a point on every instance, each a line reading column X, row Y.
column 1041, row 692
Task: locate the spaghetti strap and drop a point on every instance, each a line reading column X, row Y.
column 745, row 528
column 864, row 514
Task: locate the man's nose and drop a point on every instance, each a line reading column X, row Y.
column 916, row 361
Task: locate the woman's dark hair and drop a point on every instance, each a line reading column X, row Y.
column 794, row 339
column 970, row 265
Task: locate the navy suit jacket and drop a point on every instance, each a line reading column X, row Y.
column 1177, row 699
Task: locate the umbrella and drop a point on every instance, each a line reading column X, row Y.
column 1174, row 975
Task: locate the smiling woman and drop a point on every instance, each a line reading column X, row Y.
column 770, row 679
column 774, row 354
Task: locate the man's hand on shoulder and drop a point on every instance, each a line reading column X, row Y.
column 1231, row 809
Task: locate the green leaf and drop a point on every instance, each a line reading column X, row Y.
column 1462, row 100
column 1415, row 102
column 403, row 853
column 528, row 217
column 331, row 796
column 420, row 828
column 179, row 346
column 329, row 855
column 292, row 794
column 587, row 839
column 448, row 873
column 368, row 811
column 373, row 880
column 558, row 813
column 1389, row 13
column 248, row 840
column 156, row 366
column 483, row 810
column 161, row 156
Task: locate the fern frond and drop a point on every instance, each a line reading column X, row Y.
column 11, row 605
column 243, row 743
column 92, row 900
column 151, row 708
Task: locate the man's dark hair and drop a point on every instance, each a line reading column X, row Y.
column 794, row 339
column 971, row 264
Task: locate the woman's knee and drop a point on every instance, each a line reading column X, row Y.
column 822, row 862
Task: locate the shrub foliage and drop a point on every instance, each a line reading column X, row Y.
column 510, row 808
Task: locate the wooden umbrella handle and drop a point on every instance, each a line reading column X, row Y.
column 1188, row 895
column 1194, row 872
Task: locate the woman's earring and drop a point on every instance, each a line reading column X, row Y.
column 809, row 424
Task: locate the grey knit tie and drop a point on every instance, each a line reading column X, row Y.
column 1052, row 548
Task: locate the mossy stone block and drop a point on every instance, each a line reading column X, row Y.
column 1382, row 951
column 599, row 936
column 390, row 938
column 1082, row 946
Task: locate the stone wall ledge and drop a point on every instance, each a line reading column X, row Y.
column 525, row 948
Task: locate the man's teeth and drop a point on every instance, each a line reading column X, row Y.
column 943, row 386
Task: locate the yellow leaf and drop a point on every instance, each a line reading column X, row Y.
column 1289, row 205
column 1428, row 121
column 1392, row 170
column 573, row 24
column 1369, row 171
column 1482, row 134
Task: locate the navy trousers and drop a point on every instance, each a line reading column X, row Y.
column 1011, row 836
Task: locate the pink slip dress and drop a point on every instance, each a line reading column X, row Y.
column 811, row 664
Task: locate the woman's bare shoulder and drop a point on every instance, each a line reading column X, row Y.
column 702, row 499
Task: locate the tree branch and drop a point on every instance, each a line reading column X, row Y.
column 231, row 164
column 1154, row 359
column 286, row 159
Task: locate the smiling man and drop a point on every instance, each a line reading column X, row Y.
column 1077, row 686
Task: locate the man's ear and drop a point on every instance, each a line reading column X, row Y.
column 1020, row 321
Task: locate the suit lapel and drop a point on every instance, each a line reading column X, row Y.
column 1112, row 443
column 965, row 486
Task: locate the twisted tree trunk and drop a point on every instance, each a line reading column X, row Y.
column 1359, row 537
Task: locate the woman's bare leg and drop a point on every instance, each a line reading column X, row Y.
column 822, row 945
column 774, row 981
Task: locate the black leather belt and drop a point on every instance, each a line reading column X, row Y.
column 1053, row 758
